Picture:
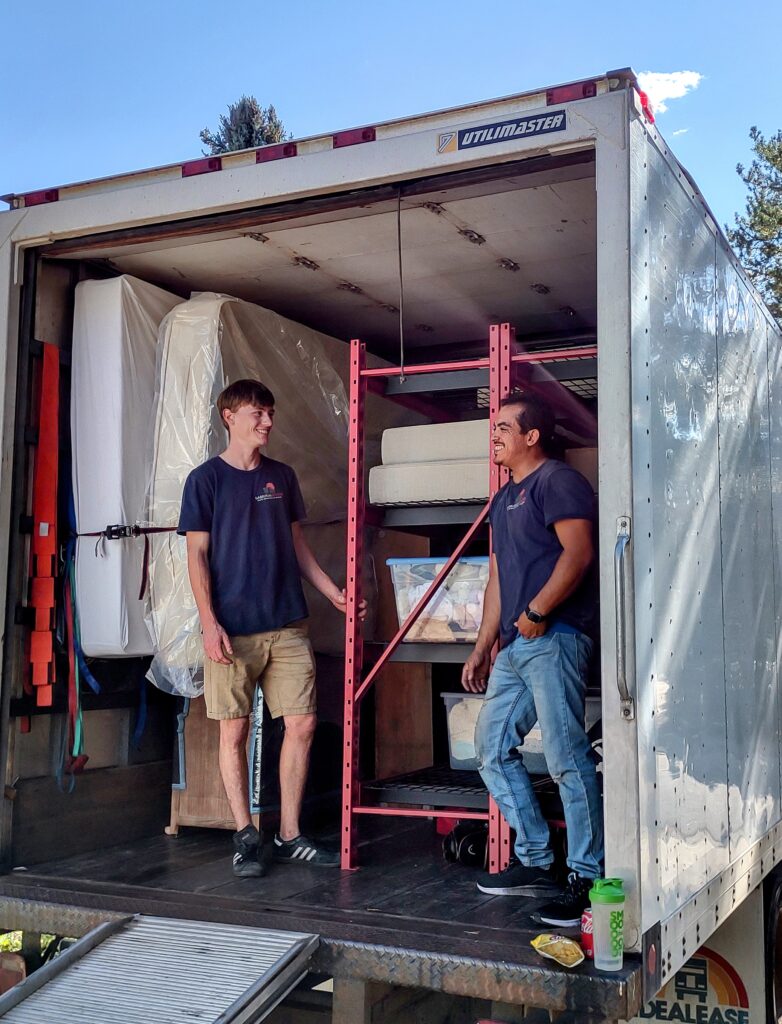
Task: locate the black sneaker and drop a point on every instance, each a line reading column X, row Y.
column 519, row 880
column 302, row 850
column 248, row 862
column 565, row 911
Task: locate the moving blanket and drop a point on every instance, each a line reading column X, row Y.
column 115, row 332
column 205, row 344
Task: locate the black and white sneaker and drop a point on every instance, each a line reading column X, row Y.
column 519, row 880
column 565, row 911
column 302, row 850
column 248, row 861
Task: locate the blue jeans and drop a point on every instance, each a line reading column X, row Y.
column 543, row 680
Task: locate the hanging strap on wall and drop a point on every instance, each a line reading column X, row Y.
column 72, row 756
column 44, row 542
column 120, row 532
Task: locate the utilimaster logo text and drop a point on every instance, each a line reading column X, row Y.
column 499, row 131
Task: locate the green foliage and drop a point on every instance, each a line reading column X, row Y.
column 246, row 126
column 757, row 236
column 10, row 942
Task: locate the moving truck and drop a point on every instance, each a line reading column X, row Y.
column 563, row 212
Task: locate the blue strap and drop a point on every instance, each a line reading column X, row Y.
column 69, row 570
column 141, row 718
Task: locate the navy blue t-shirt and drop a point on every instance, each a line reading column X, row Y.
column 522, row 519
column 256, row 582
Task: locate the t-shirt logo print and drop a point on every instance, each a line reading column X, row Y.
column 521, row 500
column 269, row 491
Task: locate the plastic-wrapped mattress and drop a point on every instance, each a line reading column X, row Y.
column 115, row 332
column 206, row 343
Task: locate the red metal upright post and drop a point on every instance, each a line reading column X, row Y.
column 500, row 341
column 354, row 639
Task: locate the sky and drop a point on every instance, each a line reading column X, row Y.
column 98, row 87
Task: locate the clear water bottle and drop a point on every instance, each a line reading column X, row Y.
column 608, row 917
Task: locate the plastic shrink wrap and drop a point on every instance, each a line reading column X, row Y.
column 115, row 337
column 206, row 343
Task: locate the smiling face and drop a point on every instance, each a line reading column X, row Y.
column 250, row 425
column 509, row 443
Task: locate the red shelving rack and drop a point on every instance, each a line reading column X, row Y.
column 500, row 362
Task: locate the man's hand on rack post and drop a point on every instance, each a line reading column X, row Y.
column 340, row 602
column 475, row 673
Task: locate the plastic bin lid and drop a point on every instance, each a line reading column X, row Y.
column 472, row 560
column 607, row 890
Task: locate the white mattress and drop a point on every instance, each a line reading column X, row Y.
column 432, row 463
column 206, row 343
column 432, row 442
column 430, row 483
column 115, row 332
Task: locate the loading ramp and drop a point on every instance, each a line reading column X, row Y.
column 157, row 970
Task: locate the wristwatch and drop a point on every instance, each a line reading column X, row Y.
column 534, row 616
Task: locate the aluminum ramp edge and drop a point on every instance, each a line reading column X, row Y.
column 155, row 970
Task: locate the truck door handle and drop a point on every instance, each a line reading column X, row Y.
column 622, row 541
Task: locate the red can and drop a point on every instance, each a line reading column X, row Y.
column 587, row 940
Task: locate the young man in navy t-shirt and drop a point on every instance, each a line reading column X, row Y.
column 246, row 555
column 539, row 603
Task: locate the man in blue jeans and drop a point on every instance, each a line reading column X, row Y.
column 538, row 601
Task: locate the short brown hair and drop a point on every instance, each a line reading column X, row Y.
column 243, row 392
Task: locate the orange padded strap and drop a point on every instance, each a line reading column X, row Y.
column 44, row 543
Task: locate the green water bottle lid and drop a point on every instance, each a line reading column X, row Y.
column 607, row 890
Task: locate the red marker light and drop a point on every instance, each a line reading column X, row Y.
column 46, row 195
column 646, row 106
column 279, row 152
column 206, row 166
column 353, row 137
column 575, row 91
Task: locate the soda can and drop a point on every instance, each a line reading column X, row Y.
column 587, row 941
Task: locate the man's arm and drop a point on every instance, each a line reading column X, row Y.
column 312, row 572
column 217, row 645
column 476, row 669
column 575, row 536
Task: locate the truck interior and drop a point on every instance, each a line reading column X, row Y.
column 514, row 243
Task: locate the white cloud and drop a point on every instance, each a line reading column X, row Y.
column 660, row 86
column 681, row 131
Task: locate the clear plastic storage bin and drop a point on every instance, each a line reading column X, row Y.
column 462, row 710
column 454, row 612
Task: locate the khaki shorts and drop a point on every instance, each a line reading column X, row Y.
column 280, row 660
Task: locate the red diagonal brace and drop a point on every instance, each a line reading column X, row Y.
column 412, row 618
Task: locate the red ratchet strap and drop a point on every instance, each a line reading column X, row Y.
column 44, row 545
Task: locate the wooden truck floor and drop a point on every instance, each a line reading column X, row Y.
column 406, row 917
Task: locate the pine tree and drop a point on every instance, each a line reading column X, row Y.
column 246, row 126
column 757, row 236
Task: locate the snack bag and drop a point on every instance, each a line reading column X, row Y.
column 565, row 951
